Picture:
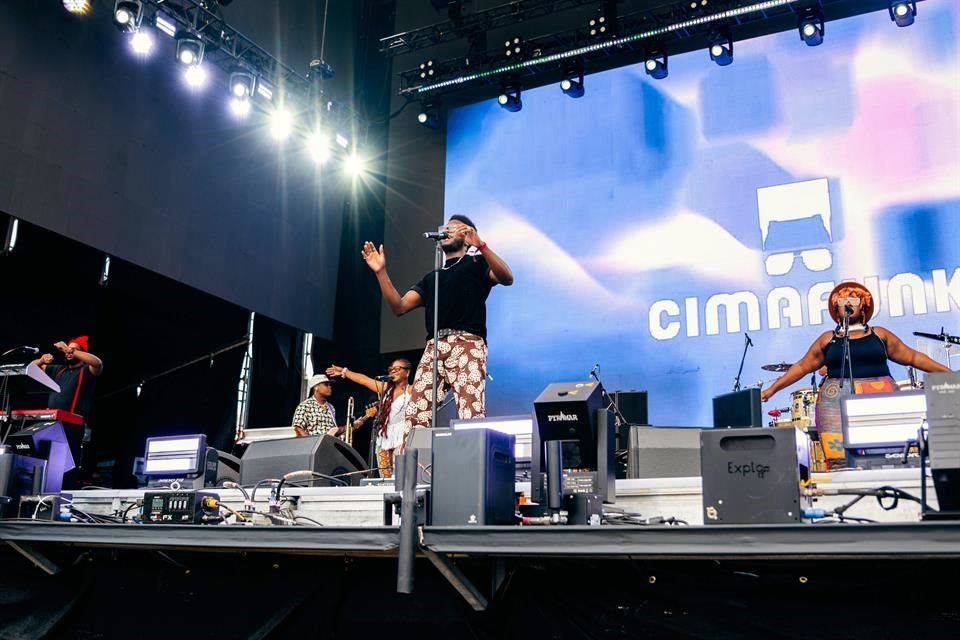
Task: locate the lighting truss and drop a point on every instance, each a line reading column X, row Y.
column 668, row 22
column 229, row 50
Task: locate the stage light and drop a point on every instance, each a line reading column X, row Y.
column 429, row 115
column 355, row 165
column 427, row 70
column 513, row 47
column 598, row 26
column 78, row 7
column 281, row 125
column 189, row 49
column 264, row 89
column 342, row 141
column 903, row 13
column 812, row 29
column 722, row 52
column 142, row 42
column 572, row 85
column 318, row 145
column 656, row 67
column 510, row 99
column 127, row 14
column 10, row 242
column 165, row 23
column 196, row 76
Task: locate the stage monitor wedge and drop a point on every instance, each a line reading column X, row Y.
column 331, row 456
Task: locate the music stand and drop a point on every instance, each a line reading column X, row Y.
column 28, row 370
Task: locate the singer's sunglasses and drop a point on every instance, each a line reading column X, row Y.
column 395, row 369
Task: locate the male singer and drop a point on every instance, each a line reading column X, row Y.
column 75, row 377
column 465, row 282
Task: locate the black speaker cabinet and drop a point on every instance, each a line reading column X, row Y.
column 324, row 454
column 663, row 452
column 752, row 476
column 473, row 478
column 740, row 409
column 633, row 406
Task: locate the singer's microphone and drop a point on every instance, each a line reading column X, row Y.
column 749, row 341
column 435, row 235
column 848, row 308
column 593, row 372
column 383, row 378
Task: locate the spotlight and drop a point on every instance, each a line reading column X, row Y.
column 722, row 52
column 605, row 24
column 189, row 49
column 78, row 7
column 510, row 99
column 513, row 47
column 429, row 115
column 427, row 70
column 241, row 85
column 355, row 165
column 196, row 76
column 142, row 42
column 264, row 89
column 318, row 144
column 903, row 13
column 281, row 125
column 127, row 14
column 165, row 23
column 598, row 26
column 656, row 67
column 572, row 85
column 342, row 141
column 812, row 29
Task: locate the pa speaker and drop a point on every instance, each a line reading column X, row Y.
column 473, row 478
column 323, row 454
column 632, row 405
column 740, row 409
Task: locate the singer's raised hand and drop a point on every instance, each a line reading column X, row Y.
column 373, row 257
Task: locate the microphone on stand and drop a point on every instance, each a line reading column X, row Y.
column 776, row 413
column 593, row 372
column 383, row 378
column 848, row 309
column 435, row 235
column 749, row 341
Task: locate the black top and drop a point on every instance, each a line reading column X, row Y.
column 868, row 355
column 76, row 388
column 464, row 287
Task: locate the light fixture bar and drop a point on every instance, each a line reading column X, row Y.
column 609, row 44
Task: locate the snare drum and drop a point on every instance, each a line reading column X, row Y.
column 803, row 403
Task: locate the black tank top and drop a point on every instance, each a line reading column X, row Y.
column 868, row 356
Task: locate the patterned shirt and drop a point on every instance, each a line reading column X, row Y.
column 314, row 418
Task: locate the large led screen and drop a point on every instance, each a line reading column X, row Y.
column 651, row 223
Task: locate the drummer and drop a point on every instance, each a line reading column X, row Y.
column 870, row 348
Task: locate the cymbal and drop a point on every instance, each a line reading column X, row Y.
column 939, row 337
column 783, row 366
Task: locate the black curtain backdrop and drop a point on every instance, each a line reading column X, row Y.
column 140, row 324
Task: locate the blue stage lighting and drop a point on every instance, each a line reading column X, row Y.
column 903, row 13
column 722, row 53
column 656, row 67
column 510, row 100
column 812, row 30
column 572, row 85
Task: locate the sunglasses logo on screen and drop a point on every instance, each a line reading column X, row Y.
column 796, row 221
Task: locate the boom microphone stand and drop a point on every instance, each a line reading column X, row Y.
column 747, row 343
column 611, row 404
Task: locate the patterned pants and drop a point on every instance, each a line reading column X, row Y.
column 385, row 462
column 829, row 422
column 462, row 366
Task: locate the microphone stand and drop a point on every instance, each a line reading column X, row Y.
column 846, row 366
column 746, row 345
column 438, row 265
column 611, row 405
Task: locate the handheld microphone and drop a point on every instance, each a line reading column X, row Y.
column 749, row 341
column 435, row 235
column 383, row 378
